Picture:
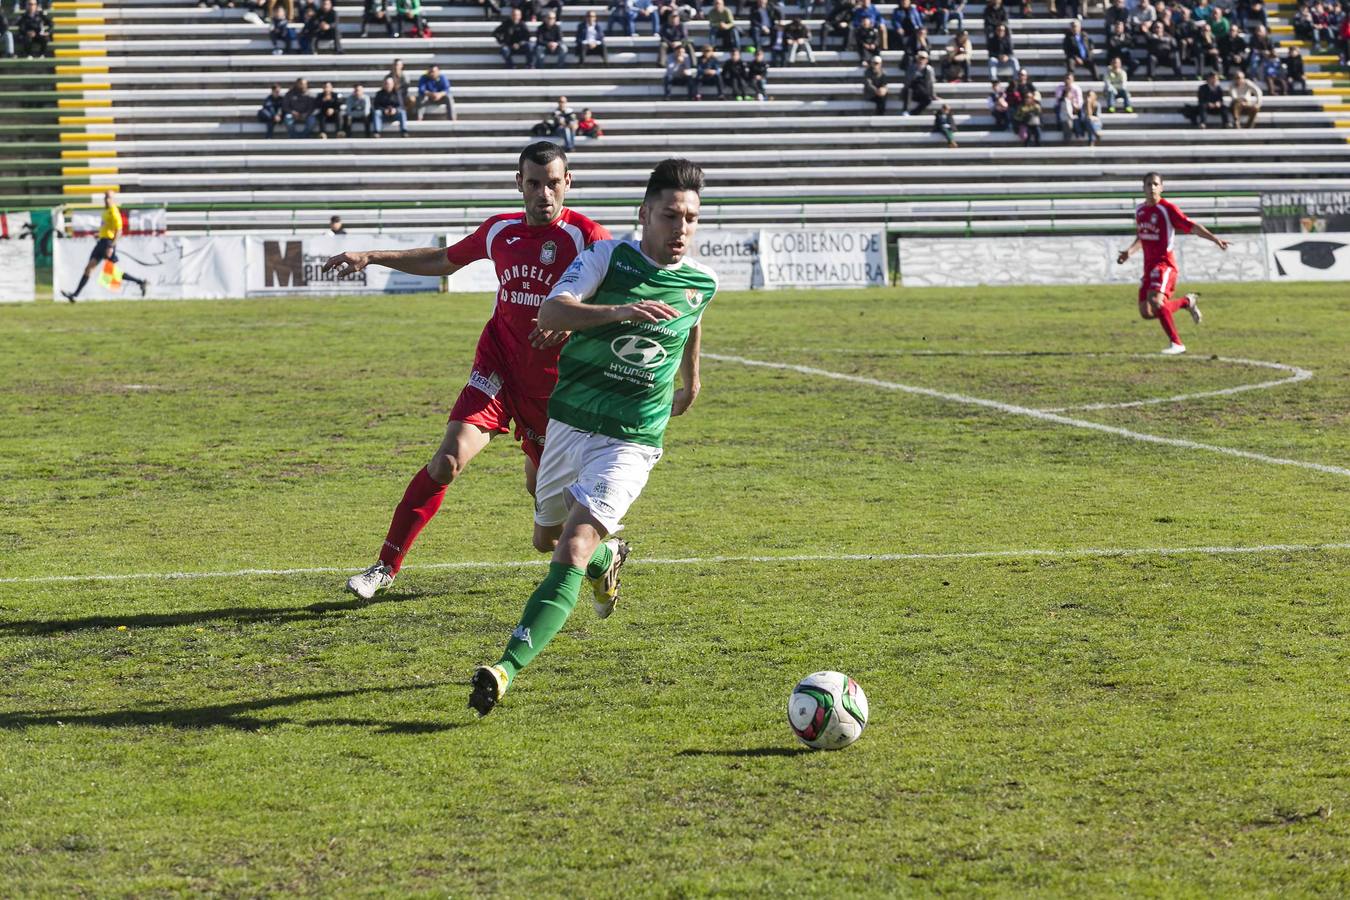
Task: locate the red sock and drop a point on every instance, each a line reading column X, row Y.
column 420, row 502
column 1165, row 317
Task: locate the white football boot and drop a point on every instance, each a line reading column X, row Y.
column 606, row 587
column 1193, row 306
column 1174, row 350
column 370, row 582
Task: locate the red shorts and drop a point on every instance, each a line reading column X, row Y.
column 1161, row 279
column 488, row 402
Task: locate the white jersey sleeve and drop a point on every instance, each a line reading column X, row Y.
column 587, row 272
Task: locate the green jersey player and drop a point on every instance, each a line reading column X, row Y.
column 634, row 310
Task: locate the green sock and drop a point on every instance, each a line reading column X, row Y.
column 600, row 562
column 548, row 608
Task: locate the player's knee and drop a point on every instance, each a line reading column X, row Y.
column 544, row 542
column 445, row 467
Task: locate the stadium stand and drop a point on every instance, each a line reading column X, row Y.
column 161, row 102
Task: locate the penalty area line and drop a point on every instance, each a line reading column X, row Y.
column 1029, row 412
column 1032, row 552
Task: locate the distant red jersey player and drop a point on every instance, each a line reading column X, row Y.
column 1157, row 222
column 515, row 366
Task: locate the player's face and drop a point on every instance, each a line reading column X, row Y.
column 545, row 189
column 1153, row 189
column 668, row 225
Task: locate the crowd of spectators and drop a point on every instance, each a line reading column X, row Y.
column 303, row 114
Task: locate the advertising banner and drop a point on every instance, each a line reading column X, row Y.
column 822, row 258
column 733, row 255
column 18, row 276
column 1309, row 257
column 292, row 264
column 1305, row 212
column 135, row 222
column 475, row 278
column 174, row 268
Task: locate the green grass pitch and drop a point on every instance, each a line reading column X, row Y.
column 1071, row 723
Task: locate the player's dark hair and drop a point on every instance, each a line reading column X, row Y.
column 674, row 175
column 1149, row 175
column 541, row 153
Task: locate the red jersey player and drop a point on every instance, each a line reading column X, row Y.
column 516, row 364
column 1157, row 222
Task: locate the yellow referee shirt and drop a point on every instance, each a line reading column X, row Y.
column 112, row 222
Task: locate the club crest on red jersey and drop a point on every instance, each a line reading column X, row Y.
column 548, row 253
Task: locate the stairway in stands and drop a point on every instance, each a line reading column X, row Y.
column 159, row 101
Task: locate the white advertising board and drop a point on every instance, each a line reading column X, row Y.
column 1309, row 257
column 733, row 255
column 822, row 258
column 288, row 264
column 174, row 268
column 18, row 276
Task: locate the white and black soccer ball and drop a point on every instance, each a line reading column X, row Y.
column 827, row 710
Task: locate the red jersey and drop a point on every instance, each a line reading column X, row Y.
column 529, row 260
column 1158, row 225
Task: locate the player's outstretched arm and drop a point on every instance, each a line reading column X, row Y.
column 564, row 312
column 1128, row 252
column 422, row 261
column 689, row 381
column 1210, row 236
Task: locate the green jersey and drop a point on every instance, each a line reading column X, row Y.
column 619, row 379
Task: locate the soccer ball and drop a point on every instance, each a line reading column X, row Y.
column 827, row 710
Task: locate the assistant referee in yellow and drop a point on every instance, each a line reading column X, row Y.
column 106, row 248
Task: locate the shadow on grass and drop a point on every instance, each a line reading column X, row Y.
column 240, row 614
column 749, row 751
column 241, row 716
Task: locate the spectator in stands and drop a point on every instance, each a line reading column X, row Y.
column 513, row 39
column 797, row 40
column 649, row 14
column 309, row 30
column 1258, row 42
column 1028, row 119
column 765, row 26
column 330, row 111
column 1089, row 122
column 548, row 43
column 6, row 39
column 1343, row 38
column 1323, row 22
column 956, row 60
column 588, row 127
column 735, row 75
column 33, row 30
column 945, row 10
column 875, row 87
column 906, row 20
column 1001, row 52
column 759, row 76
column 1236, row 51
column 920, row 88
column 329, row 28
column 868, row 39
column 1295, row 72
column 358, row 110
column 433, row 89
column 920, row 44
column 994, row 15
column 271, row 112
column 707, row 70
column 680, row 73
column 492, row 9
column 402, row 83
column 1078, row 49
column 1117, row 90
column 335, row 226
column 1275, row 74
column 1068, row 101
column 1020, row 88
column 1142, row 19
column 1119, row 44
column 591, row 39
column 1248, row 11
column 300, row 111
column 722, row 26
column 281, row 32
column 838, row 23
column 944, row 123
column 389, row 105
column 1205, row 49
column 563, row 122
column 1162, row 50
column 673, row 34
column 1246, row 98
column 1212, row 100
column 377, row 13
column 997, row 103
column 410, row 19
column 621, row 15
column 1114, row 14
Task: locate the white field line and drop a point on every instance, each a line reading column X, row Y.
column 1042, row 415
column 1082, row 553
column 1296, row 374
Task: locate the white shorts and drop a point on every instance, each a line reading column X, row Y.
column 602, row 473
